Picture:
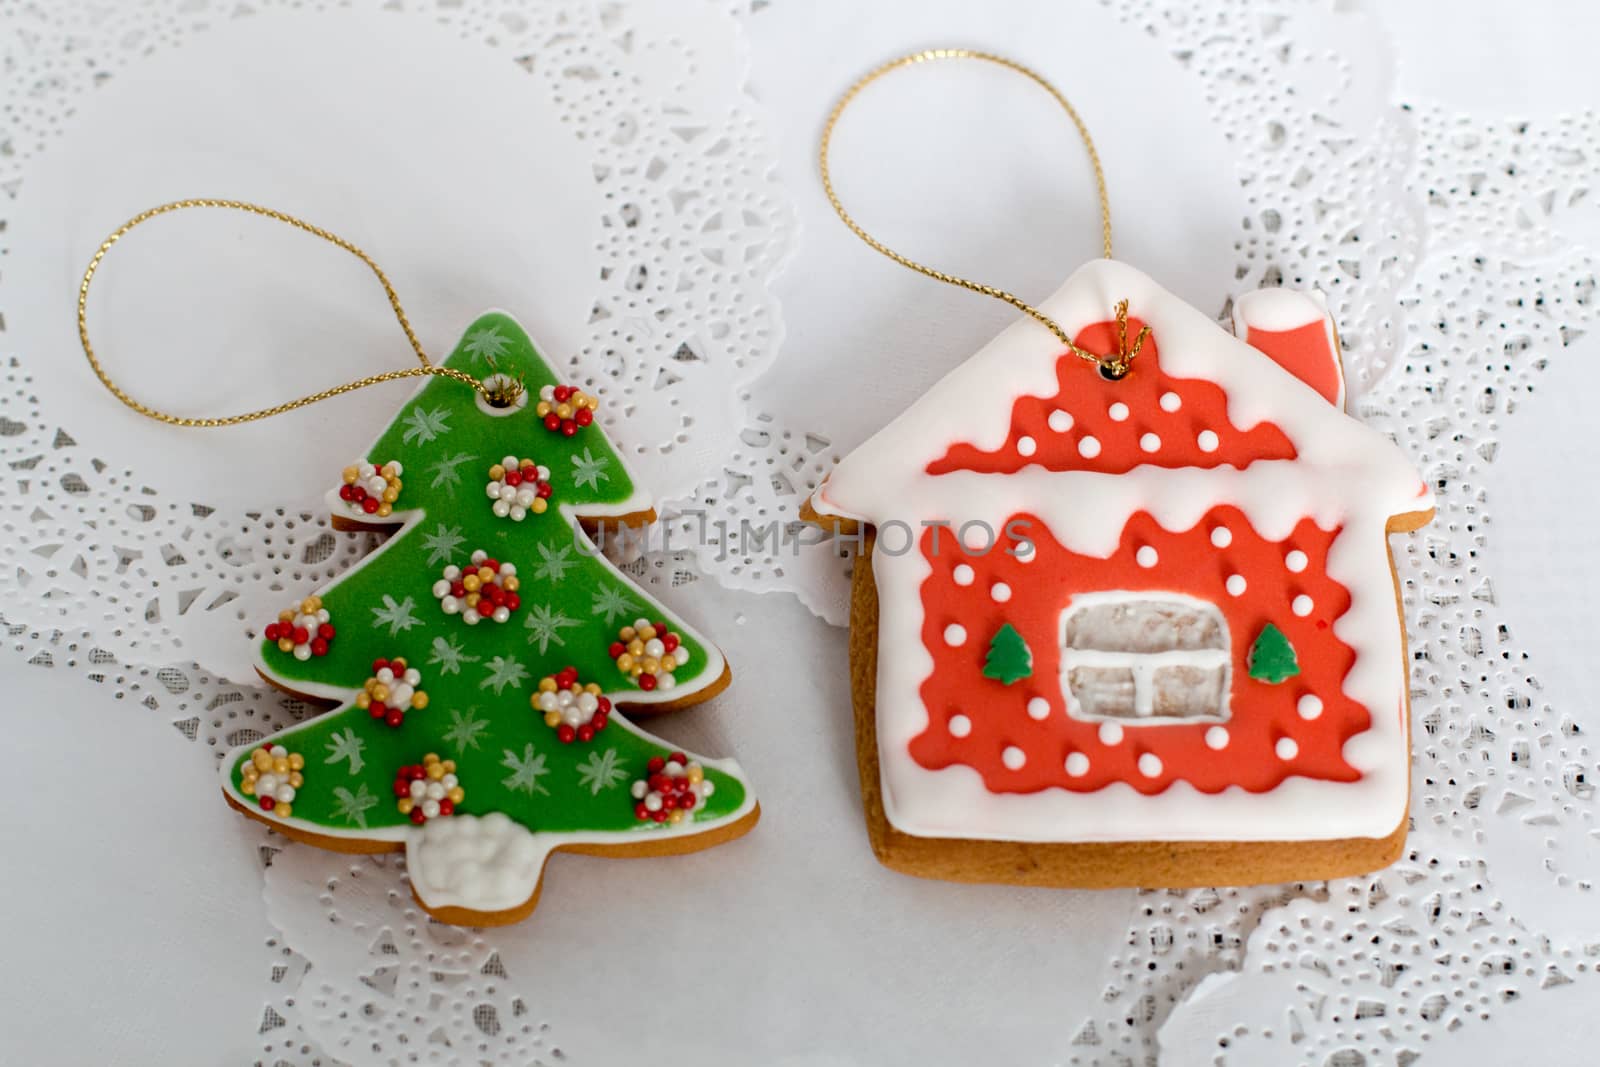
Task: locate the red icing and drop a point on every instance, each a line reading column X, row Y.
column 1188, row 563
column 1306, row 353
column 1088, row 397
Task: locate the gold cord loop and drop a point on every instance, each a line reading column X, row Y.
column 500, row 394
column 1114, row 365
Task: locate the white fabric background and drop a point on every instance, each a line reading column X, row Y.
column 637, row 182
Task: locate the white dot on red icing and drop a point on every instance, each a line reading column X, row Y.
column 1207, row 441
column 1286, row 748
column 1301, row 605
column 1117, row 411
column 960, row 726
column 1309, row 706
column 1222, row 537
column 1089, row 448
column 955, row 634
column 1027, row 446
column 1296, row 561
column 1171, row 402
column 1000, row 591
column 1024, row 551
column 1038, row 708
column 1077, row 764
column 1217, row 738
column 963, row 574
column 1060, row 421
column 1013, row 757
column 1146, row 556
column 1235, row 584
column 1150, row 442
column 1110, row 733
column 1150, row 765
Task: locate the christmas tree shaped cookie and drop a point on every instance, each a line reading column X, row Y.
column 485, row 661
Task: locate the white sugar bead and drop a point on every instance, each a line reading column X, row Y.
column 419, row 789
column 1235, row 584
column 279, row 752
column 1217, row 738
column 267, row 784
column 400, row 696
column 394, row 468
column 588, row 702
column 510, row 462
column 302, row 651
column 449, row 605
column 1038, row 708
column 547, row 392
column 674, row 769
column 955, row 635
column 666, row 681
column 525, row 496
column 1027, row 446
column 564, row 697
column 1286, row 748
column 323, row 615
column 1222, row 537
column 1150, row 442
column 471, row 616
column 367, row 470
column 508, row 493
column 516, row 511
column 1060, row 421
column 452, row 572
column 500, row 508
column 436, row 790
column 963, row 574
column 508, row 570
column 548, row 702
column 479, row 556
column 640, row 788
column 573, row 717
column 1309, row 706
column 449, row 782
column 501, row 613
column 680, row 654
column 544, row 473
column 385, row 675
column 1110, row 733
column 1077, row 764
column 413, row 677
column 641, row 622
column 284, row 794
column 707, row 787
column 652, row 802
column 654, row 647
column 430, row 809
column 493, row 489
column 376, row 485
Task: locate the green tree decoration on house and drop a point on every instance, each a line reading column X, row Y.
column 484, row 661
column 1272, row 659
column 1009, row 660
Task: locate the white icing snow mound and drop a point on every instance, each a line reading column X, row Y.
column 487, row 863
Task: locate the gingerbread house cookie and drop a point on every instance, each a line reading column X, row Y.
column 1142, row 631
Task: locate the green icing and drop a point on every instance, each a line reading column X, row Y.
column 1272, row 657
column 479, row 678
column 1009, row 659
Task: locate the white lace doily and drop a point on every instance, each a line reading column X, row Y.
column 1456, row 241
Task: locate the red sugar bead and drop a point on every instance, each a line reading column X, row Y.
column 376, row 711
column 617, row 648
column 513, row 601
column 656, row 764
column 513, row 477
column 319, row 647
column 395, row 717
column 604, row 706
column 568, row 429
column 552, row 422
column 583, row 416
column 599, row 721
column 458, row 590
column 267, row 803
column 660, row 816
column 402, row 788
column 660, row 782
column 325, row 631
column 370, row 505
column 417, row 772
column 647, row 682
column 447, row 806
column 680, row 757
column 345, row 492
column 640, row 811
column 586, row 732
column 300, row 635
column 359, row 493
column 271, row 632
column 544, row 490
column 565, row 733
column 490, row 562
column 562, row 392
column 669, row 641
column 379, row 664
column 417, row 816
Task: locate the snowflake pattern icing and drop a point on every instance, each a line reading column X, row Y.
column 526, row 770
column 423, row 425
column 545, row 624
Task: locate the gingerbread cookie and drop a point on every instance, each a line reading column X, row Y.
column 1132, row 632
column 485, row 661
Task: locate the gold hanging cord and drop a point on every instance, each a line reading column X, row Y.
column 502, row 392
column 1114, row 365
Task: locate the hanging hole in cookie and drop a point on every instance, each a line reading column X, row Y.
column 502, row 395
column 1114, row 372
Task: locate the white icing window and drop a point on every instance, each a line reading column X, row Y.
column 1144, row 658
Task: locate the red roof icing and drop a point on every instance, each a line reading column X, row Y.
column 1188, row 563
column 1088, row 398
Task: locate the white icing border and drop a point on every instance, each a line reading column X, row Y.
column 1346, row 474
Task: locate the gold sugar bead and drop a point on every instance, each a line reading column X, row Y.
column 296, row 761
column 435, row 772
column 248, row 787
column 390, row 495
column 471, row 582
column 404, row 804
column 552, row 718
column 485, row 574
column 547, row 685
column 472, row 600
column 510, row 584
column 398, row 664
column 695, row 775
column 449, row 766
column 636, row 646
column 262, row 759
column 647, row 632
column 280, row 766
column 625, row 662
column 380, row 692
column 297, row 779
column 542, row 408
column 285, row 644
column 283, row 811
column 419, row 700
column 457, row 795
column 538, row 505
column 626, row 633
column 384, row 511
